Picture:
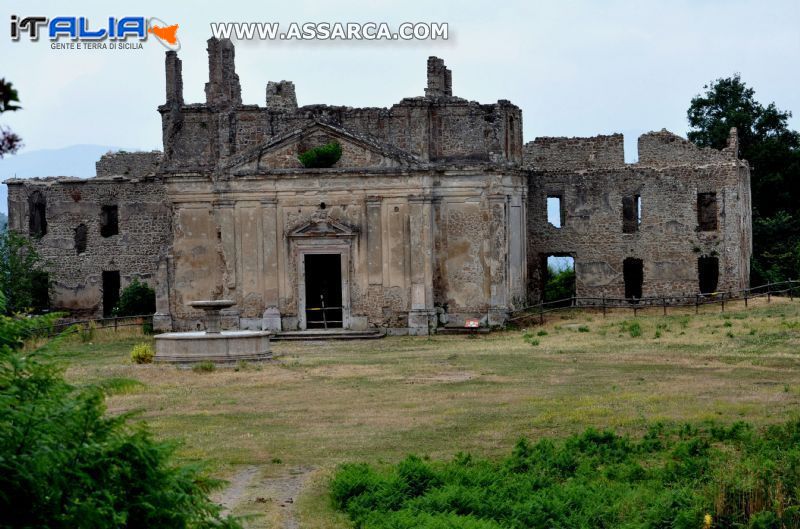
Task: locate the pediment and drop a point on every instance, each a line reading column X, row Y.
column 322, row 228
column 359, row 151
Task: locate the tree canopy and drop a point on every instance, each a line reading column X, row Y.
column 9, row 142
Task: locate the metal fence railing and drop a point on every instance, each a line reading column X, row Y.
column 790, row 289
column 69, row 326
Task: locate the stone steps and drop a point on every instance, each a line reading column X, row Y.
column 338, row 334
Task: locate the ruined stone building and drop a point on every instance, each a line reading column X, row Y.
column 436, row 212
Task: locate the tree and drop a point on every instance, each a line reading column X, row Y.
column 64, row 463
column 559, row 285
column 24, row 280
column 137, row 299
column 9, row 142
column 773, row 151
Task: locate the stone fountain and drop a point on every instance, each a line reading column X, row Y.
column 213, row 344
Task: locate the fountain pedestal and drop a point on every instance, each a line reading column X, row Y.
column 213, row 344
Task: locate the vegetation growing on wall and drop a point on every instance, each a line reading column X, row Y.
column 320, row 157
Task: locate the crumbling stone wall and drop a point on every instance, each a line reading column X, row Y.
column 549, row 154
column 73, row 209
column 437, row 128
column 670, row 174
column 436, row 209
column 129, row 164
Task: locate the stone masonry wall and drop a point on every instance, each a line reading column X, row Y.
column 668, row 239
column 437, row 128
column 130, row 164
column 144, row 231
column 547, row 153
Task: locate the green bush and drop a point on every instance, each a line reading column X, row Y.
column 137, row 299
column 204, row 367
column 86, row 332
column 64, row 463
column 142, row 353
column 673, row 477
column 320, row 157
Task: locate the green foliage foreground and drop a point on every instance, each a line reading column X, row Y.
column 65, row 463
column 671, row 478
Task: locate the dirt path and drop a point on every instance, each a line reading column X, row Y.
column 236, row 489
column 278, row 493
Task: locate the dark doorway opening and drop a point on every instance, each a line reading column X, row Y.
column 708, row 274
column 558, row 279
column 40, row 291
column 110, row 291
column 323, row 291
column 633, row 274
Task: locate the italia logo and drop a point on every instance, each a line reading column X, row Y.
column 78, row 29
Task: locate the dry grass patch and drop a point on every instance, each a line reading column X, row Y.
column 317, row 406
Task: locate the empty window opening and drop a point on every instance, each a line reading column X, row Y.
column 558, row 279
column 708, row 274
column 631, row 213
column 555, row 210
column 633, row 275
column 109, row 221
column 40, row 291
column 81, row 235
column 707, row 211
column 110, row 291
column 37, row 214
column 323, row 291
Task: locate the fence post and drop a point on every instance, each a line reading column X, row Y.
column 604, row 305
column 769, row 292
column 541, row 313
column 723, row 302
column 745, row 297
column 664, row 301
column 115, row 324
column 634, row 310
column 696, row 303
column 791, row 290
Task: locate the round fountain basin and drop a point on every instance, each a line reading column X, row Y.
column 221, row 348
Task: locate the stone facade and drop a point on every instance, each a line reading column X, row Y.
column 434, row 214
column 592, row 181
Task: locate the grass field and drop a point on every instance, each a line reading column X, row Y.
column 277, row 430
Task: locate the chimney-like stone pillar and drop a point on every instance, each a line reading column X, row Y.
column 281, row 96
column 174, row 75
column 222, row 89
column 440, row 82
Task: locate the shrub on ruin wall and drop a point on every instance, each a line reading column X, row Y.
column 320, row 157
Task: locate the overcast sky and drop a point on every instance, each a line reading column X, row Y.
column 575, row 68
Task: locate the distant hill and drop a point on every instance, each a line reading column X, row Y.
column 75, row 160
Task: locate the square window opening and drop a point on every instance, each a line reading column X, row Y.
column 109, row 221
